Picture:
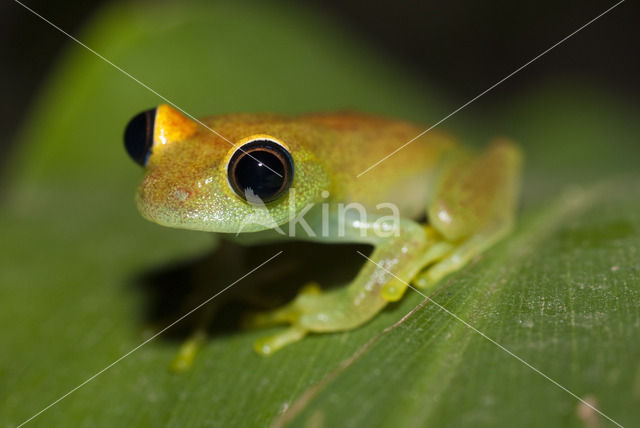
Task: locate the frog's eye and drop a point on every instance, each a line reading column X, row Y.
column 138, row 136
column 262, row 166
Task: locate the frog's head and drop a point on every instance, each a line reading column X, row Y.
column 245, row 178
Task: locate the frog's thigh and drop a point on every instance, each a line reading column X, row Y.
column 474, row 207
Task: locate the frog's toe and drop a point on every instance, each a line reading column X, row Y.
column 283, row 315
column 313, row 310
column 446, row 265
column 310, row 289
column 432, row 275
column 393, row 290
column 454, row 258
column 271, row 344
column 287, row 314
column 187, row 352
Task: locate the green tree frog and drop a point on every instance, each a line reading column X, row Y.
column 264, row 178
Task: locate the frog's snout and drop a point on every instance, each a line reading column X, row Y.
column 159, row 191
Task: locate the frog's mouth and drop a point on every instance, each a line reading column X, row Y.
column 183, row 208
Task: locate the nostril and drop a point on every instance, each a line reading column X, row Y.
column 182, row 194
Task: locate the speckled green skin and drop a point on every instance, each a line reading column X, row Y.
column 469, row 200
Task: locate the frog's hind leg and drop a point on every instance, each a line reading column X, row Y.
column 458, row 256
column 473, row 208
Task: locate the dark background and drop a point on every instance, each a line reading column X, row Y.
column 463, row 47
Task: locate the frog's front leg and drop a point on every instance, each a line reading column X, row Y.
column 399, row 251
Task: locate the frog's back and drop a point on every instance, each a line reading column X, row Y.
column 356, row 142
column 348, row 144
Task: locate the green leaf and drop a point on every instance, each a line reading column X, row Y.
column 562, row 292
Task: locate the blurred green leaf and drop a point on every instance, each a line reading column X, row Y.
column 563, row 292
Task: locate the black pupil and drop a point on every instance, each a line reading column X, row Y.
column 262, row 171
column 138, row 136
